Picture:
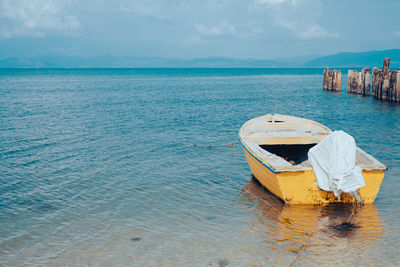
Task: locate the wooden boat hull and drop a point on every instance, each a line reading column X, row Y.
column 276, row 148
column 301, row 187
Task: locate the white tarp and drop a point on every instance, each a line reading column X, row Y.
column 334, row 164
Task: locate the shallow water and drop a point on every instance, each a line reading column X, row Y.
column 97, row 167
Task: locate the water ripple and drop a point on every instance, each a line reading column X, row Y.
column 97, row 167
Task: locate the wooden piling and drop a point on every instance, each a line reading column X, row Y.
column 376, row 81
column 359, row 83
column 337, row 81
column 324, row 85
column 332, row 80
column 386, row 63
column 366, row 82
column 349, row 79
column 352, row 81
column 394, row 86
column 360, row 88
column 329, row 80
column 397, row 92
column 385, row 79
column 325, row 81
column 356, row 82
column 385, row 85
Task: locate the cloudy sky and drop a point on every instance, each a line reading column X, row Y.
column 262, row 29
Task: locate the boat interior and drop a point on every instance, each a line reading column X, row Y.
column 294, row 154
column 282, row 142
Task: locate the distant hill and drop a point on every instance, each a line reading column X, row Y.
column 60, row 61
column 339, row 60
column 357, row 60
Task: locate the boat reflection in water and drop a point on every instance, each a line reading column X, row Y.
column 306, row 234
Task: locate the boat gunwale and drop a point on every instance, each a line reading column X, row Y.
column 254, row 156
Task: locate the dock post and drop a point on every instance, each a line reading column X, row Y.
column 349, row 73
column 329, row 80
column 375, row 81
column 382, row 84
column 385, row 79
column 386, row 63
column 352, row 81
column 393, row 87
column 398, row 86
column 332, row 80
column 337, row 81
column 325, row 81
column 360, row 83
column 366, row 82
column 385, row 85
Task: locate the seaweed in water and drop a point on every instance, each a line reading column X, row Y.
column 211, row 218
column 223, row 263
column 344, row 229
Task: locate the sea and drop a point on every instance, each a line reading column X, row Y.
column 109, row 167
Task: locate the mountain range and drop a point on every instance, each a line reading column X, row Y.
column 338, row 60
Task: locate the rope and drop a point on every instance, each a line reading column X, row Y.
column 229, row 144
column 303, row 248
column 355, row 206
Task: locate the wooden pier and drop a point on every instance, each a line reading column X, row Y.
column 386, row 83
column 382, row 84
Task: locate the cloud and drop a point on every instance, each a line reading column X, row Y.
column 270, row 2
column 35, row 18
column 233, row 18
column 223, row 28
column 226, row 29
column 297, row 16
column 161, row 10
column 396, row 33
column 315, row 31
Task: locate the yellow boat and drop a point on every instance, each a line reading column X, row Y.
column 276, row 148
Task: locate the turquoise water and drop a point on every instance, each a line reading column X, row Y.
column 98, row 167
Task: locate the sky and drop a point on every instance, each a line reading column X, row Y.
column 262, row 29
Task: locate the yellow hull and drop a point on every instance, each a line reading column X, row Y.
column 301, row 187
